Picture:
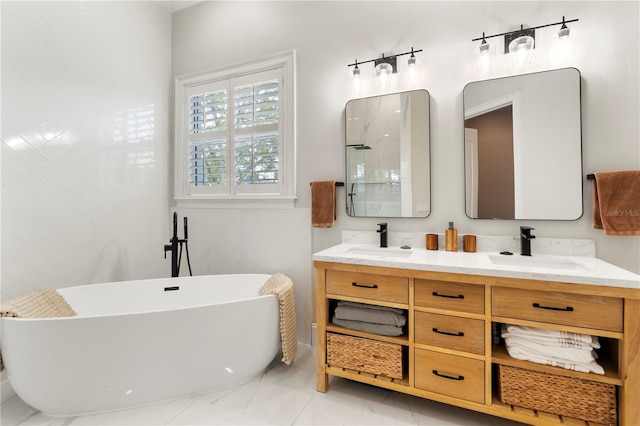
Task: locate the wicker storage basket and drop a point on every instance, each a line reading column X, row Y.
column 567, row 396
column 365, row 355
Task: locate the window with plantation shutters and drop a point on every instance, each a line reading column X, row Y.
column 256, row 133
column 234, row 134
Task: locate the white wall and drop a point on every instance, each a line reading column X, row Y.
column 330, row 35
column 85, row 198
column 85, row 143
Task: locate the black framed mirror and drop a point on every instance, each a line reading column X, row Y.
column 523, row 147
column 387, row 155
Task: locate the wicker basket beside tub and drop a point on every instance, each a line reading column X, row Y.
column 364, row 355
column 567, row 396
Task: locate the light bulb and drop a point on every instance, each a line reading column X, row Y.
column 520, row 51
column 485, row 56
column 356, row 81
column 564, row 44
column 413, row 73
column 383, row 73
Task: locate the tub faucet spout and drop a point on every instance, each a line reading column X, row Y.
column 173, row 247
column 525, row 240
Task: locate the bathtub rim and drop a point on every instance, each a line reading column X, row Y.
column 146, row 280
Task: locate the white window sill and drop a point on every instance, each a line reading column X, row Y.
column 237, row 202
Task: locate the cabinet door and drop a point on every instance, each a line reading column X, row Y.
column 450, row 375
column 446, row 331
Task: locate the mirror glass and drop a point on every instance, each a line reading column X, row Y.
column 523, row 147
column 387, row 155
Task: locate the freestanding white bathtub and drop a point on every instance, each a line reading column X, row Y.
column 139, row 342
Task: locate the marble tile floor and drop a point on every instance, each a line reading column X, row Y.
column 283, row 395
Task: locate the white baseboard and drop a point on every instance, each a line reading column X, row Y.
column 6, row 391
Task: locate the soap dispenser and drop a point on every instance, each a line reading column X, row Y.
column 451, row 238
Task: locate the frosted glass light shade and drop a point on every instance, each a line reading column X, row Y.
column 383, row 73
column 520, row 51
column 412, row 73
column 564, row 44
column 485, row 56
column 356, row 81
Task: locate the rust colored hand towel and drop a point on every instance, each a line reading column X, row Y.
column 323, row 203
column 616, row 202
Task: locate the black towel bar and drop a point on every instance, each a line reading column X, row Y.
column 337, row 183
column 591, row 176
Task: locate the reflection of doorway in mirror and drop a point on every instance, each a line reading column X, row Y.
column 546, row 140
column 495, row 151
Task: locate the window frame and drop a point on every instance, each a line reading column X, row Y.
column 184, row 195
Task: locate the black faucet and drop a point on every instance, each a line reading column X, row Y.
column 173, row 247
column 383, row 234
column 525, row 240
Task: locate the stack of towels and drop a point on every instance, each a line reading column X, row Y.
column 370, row 318
column 572, row 351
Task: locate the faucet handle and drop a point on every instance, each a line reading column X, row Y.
column 383, row 226
column 526, row 230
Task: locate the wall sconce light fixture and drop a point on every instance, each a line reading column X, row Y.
column 564, row 42
column 520, row 46
column 485, row 55
column 520, row 43
column 384, row 68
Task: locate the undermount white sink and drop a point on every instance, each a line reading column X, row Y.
column 534, row 262
column 380, row 251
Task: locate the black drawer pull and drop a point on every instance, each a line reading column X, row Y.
column 364, row 285
column 444, row 376
column 551, row 308
column 458, row 334
column 460, row 296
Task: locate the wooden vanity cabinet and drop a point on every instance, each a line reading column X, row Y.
column 447, row 350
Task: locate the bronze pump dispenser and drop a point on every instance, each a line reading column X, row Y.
column 451, row 238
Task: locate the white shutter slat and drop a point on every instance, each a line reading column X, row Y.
column 208, row 162
column 208, row 111
column 256, row 159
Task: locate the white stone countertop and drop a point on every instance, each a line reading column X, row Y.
column 545, row 267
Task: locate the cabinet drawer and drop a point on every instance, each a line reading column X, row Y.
column 451, row 296
column 450, row 375
column 446, row 331
column 602, row 313
column 368, row 286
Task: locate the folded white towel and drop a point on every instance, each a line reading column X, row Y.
column 557, row 341
column 546, row 333
column 553, row 352
column 524, row 354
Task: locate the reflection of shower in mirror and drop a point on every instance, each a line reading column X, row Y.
column 359, row 147
column 387, row 155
